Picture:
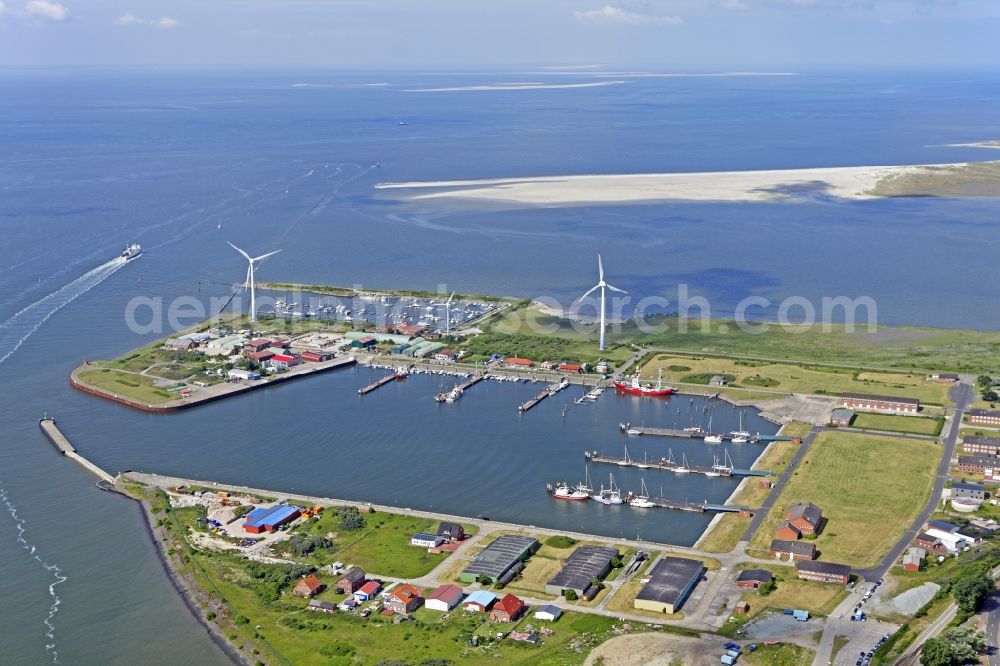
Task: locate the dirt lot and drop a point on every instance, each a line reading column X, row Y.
column 657, row 649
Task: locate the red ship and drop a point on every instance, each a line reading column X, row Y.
column 635, row 387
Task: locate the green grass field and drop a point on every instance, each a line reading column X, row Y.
column 793, row 378
column 382, row 546
column 136, row 387
column 870, row 489
column 918, row 425
column 817, row 598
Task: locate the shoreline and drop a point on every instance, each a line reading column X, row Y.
column 187, row 591
column 850, row 183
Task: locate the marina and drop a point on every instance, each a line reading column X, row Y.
column 665, row 464
column 549, row 390
column 736, row 437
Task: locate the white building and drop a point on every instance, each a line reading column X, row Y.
column 237, row 373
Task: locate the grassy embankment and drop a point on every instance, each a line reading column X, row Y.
column 866, row 507
column 271, row 626
column 782, row 654
column 796, row 378
column 730, row 527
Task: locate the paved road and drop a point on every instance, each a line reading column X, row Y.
column 963, row 394
column 761, row 513
column 992, row 607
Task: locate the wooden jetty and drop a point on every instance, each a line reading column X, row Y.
column 681, row 434
column 378, row 383
column 475, row 379
column 551, row 389
column 664, row 464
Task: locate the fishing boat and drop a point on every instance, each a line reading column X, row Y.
column 454, row 394
column 641, row 501
column 562, row 491
column 585, row 486
column 402, row 372
column 611, row 495
column 636, row 387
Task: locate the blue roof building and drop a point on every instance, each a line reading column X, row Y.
column 268, row 519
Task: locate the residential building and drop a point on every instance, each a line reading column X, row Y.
column 404, row 599
column 581, row 568
column 479, row 601
column 308, row 587
column 426, row 540
column 321, row 606
column 806, row 518
column 367, row 591
column 932, row 544
column 823, row 572
column 515, row 362
column 787, row 531
column 913, row 559
column 753, row 578
column 988, row 466
column 572, row 368
column 445, row 355
column 669, row 584
column 444, row 598
column 983, row 416
column 451, row 531
column 792, row 550
column 881, row 403
column 499, row 557
column 944, row 377
column 548, row 613
column 968, row 491
column 508, row 609
column 978, row 444
column 283, row 362
column 351, row 581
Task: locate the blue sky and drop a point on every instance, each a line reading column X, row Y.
column 665, row 34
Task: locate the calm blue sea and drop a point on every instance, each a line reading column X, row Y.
column 92, row 159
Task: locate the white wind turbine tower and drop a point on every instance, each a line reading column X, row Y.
column 602, row 285
column 249, row 284
column 447, row 314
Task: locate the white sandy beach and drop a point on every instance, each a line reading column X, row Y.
column 841, row 182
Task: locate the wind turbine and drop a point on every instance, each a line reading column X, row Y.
column 249, row 284
column 602, row 285
column 447, row 314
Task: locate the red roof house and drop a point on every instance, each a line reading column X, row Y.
column 259, row 344
column 515, row 362
column 308, row 586
column 404, row 599
column 260, row 356
column 570, row 367
column 508, row 609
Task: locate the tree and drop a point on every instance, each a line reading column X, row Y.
column 351, row 519
column 570, row 595
column 991, row 396
column 965, row 643
column 936, row 653
column 969, row 590
column 767, row 588
column 984, row 381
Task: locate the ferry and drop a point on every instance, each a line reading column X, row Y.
column 131, row 251
column 636, row 387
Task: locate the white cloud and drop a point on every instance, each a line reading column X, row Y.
column 164, row 22
column 612, row 14
column 47, row 9
column 3, row 9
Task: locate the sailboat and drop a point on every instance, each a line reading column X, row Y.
column 715, row 467
column 641, row 501
column 610, row 496
column 683, row 469
column 712, row 438
column 627, row 461
column 740, row 436
column 585, row 486
column 645, row 463
column 724, row 468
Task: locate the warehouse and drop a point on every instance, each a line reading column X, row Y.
column 268, row 519
column 823, row 572
column 984, row 416
column 671, row 581
column 444, row 598
column 881, row 403
column 581, row 568
column 842, row 417
column 499, row 557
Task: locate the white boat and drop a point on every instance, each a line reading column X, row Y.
column 454, row 394
column 727, row 467
column 740, row 436
column 585, row 486
column 627, row 461
column 644, row 464
column 611, row 495
column 563, row 491
column 641, row 501
column 633, row 431
column 683, row 468
column 131, row 251
column 713, row 439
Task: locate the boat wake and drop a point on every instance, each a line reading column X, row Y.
column 57, row 575
column 16, row 330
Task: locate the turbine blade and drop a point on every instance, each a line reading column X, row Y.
column 240, row 251
column 450, row 297
column 600, row 268
column 589, row 292
column 265, row 256
column 246, row 283
column 620, row 291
